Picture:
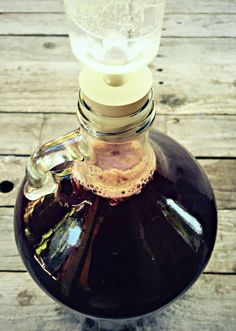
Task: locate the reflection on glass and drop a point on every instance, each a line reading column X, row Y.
column 187, row 226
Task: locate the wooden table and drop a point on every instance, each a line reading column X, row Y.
column 195, row 86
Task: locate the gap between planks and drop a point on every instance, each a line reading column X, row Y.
column 222, row 175
column 66, row 35
column 203, row 273
column 160, row 113
column 166, row 12
column 205, row 25
column 204, row 136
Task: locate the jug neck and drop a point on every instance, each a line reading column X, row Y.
column 120, row 127
column 121, row 160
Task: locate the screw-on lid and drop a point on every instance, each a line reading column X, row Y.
column 115, row 95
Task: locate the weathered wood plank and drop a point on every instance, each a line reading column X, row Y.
column 200, row 6
column 222, row 260
column 32, row 87
column 172, row 6
column 222, row 174
column 19, row 136
column 9, row 256
column 12, row 169
column 25, row 307
column 199, row 25
column 175, row 25
column 195, row 89
column 43, row 6
column 44, row 49
column 172, row 51
column 196, row 51
column 202, row 135
column 33, row 23
column 53, row 87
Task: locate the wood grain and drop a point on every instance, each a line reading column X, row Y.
column 12, row 168
column 222, row 260
column 175, row 25
column 222, row 175
column 172, row 50
column 200, row 6
column 43, row 6
column 209, row 305
column 200, row 25
column 172, row 6
column 224, row 254
column 203, row 136
column 178, row 88
column 18, row 136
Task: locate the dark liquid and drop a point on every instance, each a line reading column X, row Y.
column 124, row 260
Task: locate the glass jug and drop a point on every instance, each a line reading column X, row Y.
column 115, row 220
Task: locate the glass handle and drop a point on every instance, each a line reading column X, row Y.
column 41, row 180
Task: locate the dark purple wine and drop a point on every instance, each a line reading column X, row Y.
column 126, row 259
